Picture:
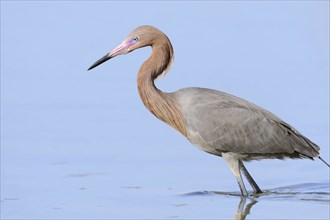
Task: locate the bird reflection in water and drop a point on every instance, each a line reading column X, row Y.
column 243, row 208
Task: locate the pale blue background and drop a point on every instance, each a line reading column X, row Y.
column 78, row 144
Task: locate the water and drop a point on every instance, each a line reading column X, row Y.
column 91, row 195
column 93, row 181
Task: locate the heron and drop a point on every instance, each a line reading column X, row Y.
column 216, row 122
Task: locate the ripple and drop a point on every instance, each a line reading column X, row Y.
column 318, row 192
column 74, row 175
column 198, row 193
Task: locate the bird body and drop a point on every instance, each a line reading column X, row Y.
column 241, row 127
column 216, row 122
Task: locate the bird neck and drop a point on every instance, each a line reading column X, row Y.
column 157, row 102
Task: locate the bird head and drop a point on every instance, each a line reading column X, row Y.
column 140, row 37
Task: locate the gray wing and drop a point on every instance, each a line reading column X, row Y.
column 219, row 122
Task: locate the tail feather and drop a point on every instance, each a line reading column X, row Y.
column 324, row 161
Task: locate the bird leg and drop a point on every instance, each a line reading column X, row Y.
column 235, row 165
column 253, row 184
column 241, row 185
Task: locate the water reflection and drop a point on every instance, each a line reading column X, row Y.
column 308, row 192
column 243, row 210
column 244, row 206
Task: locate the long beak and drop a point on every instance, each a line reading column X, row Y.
column 119, row 50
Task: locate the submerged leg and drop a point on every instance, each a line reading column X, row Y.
column 254, row 185
column 235, row 165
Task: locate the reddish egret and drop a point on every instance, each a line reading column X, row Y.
column 216, row 122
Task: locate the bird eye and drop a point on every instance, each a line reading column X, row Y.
column 135, row 39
